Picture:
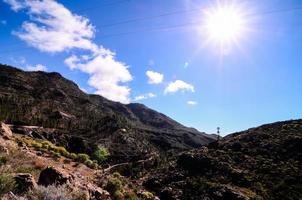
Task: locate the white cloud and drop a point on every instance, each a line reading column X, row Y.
column 179, row 85
column 106, row 75
column 38, row 67
column 154, row 77
column 192, row 103
column 53, row 28
column 144, row 96
column 15, row 5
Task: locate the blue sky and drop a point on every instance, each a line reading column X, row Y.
column 257, row 80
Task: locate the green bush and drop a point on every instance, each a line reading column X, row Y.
column 91, row 164
column 147, row 195
column 46, row 144
column 114, row 184
column 62, row 151
column 37, row 145
column 7, row 184
column 101, row 154
column 88, row 162
column 118, row 195
column 56, row 154
column 130, row 196
column 73, row 156
column 82, row 157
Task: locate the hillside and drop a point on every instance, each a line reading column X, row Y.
column 65, row 115
column 57, row 142
column 260, row 163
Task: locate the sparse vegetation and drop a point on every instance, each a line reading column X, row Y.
column 7, row 184
column 56, row 151
column 147, row 195
column 120, row 188
column 101, row 154
column 55, row 192
column 82, row 158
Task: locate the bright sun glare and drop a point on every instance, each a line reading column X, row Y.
column 224, row 24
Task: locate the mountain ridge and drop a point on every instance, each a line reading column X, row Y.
column 48, row 99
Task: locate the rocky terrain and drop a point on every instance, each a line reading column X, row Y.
column 57, row 142
column 260, row 163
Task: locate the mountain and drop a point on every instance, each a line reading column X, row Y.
column 48, row 106
column 59, row 138
column 260, row 163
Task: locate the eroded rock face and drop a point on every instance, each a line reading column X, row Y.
column 52, row 175
column 24, row 182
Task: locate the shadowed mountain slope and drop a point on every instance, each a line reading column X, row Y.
column 81, row 121
column 260, row 163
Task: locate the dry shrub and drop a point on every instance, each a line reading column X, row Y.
column 56, row 192
column 39, row 164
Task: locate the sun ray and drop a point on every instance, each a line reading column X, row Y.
column 224, row 25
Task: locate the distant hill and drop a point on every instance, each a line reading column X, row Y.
column 260, row 163
column 81, row 121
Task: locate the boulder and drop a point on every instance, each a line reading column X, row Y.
column 53, row 176
column 5, row 131
column 97, row 192
column 24, row 182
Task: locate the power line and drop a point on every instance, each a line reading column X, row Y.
column 194, row 23
column 104, row 5
column 187, row 11
column 166, row 27
column 150, row 17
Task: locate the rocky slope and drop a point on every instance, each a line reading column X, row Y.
column 80, row 121
column 260, row 163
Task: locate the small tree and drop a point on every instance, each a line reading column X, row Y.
column 101, row 154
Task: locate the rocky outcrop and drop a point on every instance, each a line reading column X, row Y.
column 53, row 176
column 5, row 131
column 96, row 193
column 24, row 182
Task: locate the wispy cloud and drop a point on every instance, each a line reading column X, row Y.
column 37, row 67
column 154, row 77
column 3, row 22
column 179, row 85
column 186, row 65
column 144, row 96
column 53, row 28
column 192, row 103
column 15, row 5
column 18, row 61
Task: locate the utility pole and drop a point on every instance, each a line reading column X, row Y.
column 218, row 133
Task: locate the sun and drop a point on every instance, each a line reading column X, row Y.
column 224, row 24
